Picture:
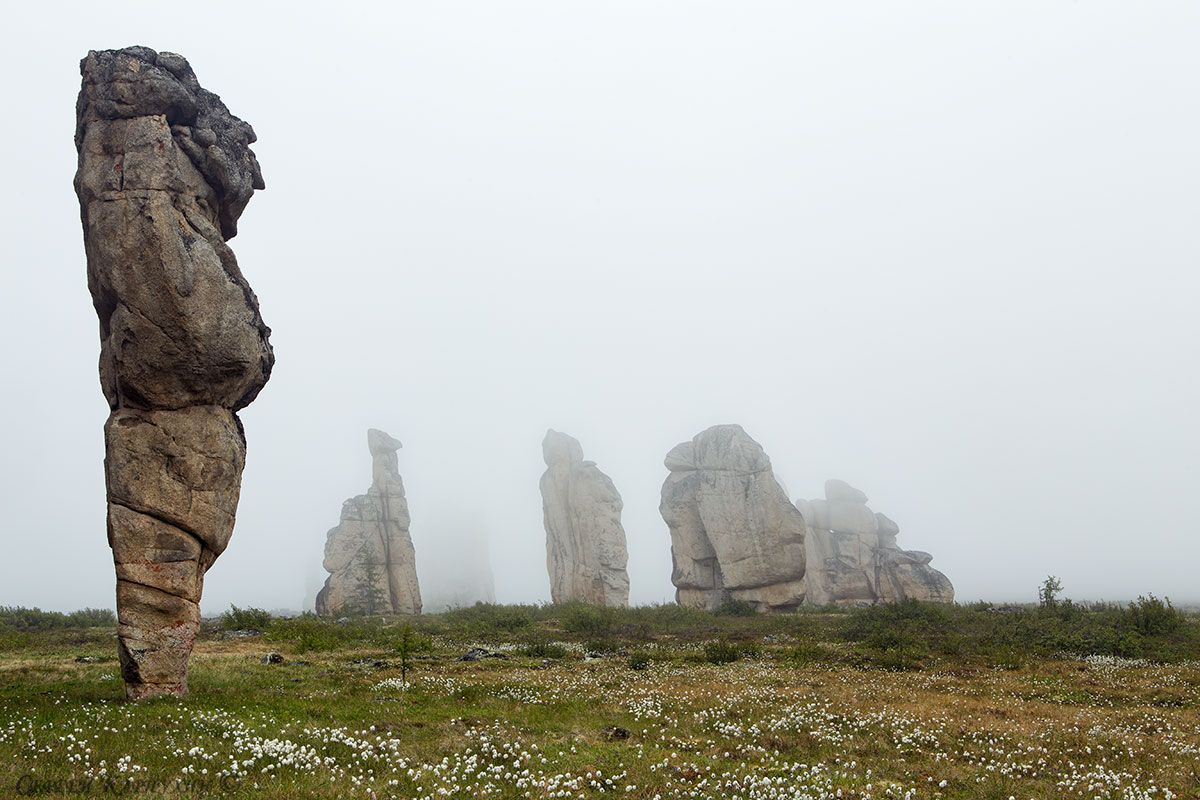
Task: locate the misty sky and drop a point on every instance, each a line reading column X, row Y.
column 944, row 251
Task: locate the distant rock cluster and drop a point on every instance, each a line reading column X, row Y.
column 585, row 543
column 853, row 557
column 164, row 173
column 370, row 555
column 736, row 536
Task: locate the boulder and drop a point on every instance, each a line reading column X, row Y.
column 164, row 172
column 853, row 558
column 585, row 543
column 369, row 556
column 734, row 533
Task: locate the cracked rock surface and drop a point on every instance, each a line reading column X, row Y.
column 164, row 173
column 734, row 533
column 369, row 556
column 585, row 543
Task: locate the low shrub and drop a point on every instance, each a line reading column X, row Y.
column 639, row 660
column 246, row 619
column 721, row 652
column 34, row 619
column 544, row 650
column 602, row 645
column 732, row 607
column 588, row 620
column 1150, row 616
column 808, row 652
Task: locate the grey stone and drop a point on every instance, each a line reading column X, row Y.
column 370, row 557
column 164, row 172
column 853, row 558
column 734, row 533
column 585, row 543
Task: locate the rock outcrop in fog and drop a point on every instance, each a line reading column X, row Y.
column 585, row 543
column 734, row 533
column 370, row 555
column 853, row 558
column 164, row 173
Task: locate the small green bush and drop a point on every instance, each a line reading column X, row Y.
column 639, row 660
column 602, row 645
column 719, row 652
column 588, row 620
column 732, row 607
column 1152, row 617
column 808, row 652
column 544, row 650
column 246, row 619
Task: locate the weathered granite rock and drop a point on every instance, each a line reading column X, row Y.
column 585, row 543
column 370, row 555
column 734, row 533
column 853, row 558
column 164, row 173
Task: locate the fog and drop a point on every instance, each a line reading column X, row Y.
column 946, row 252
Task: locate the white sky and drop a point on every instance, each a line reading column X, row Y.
column 945, row 251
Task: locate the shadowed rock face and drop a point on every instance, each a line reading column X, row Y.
column 734, row 533
column 585, row 543
column 164, row 173
column 853, row 558
column 370, row 555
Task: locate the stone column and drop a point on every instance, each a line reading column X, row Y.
column 164, row 173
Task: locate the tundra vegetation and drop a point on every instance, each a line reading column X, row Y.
column 572, row 701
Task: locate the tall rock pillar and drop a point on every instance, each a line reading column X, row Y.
column 369, row 556
column 164, row 173
column 585, row 543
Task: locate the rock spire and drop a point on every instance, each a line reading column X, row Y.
column 164, row 173
column 370, row 554
column 585, row 543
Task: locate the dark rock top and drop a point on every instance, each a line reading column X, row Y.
column 139, row 82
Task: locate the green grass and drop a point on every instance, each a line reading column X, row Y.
column 700, row 705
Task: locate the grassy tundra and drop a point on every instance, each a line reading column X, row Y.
column 911, row 701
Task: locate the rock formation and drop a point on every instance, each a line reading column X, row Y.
column 370, row 555
column 853, row 558
column 734, row 533
column 585, row 543
column 164, row 173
